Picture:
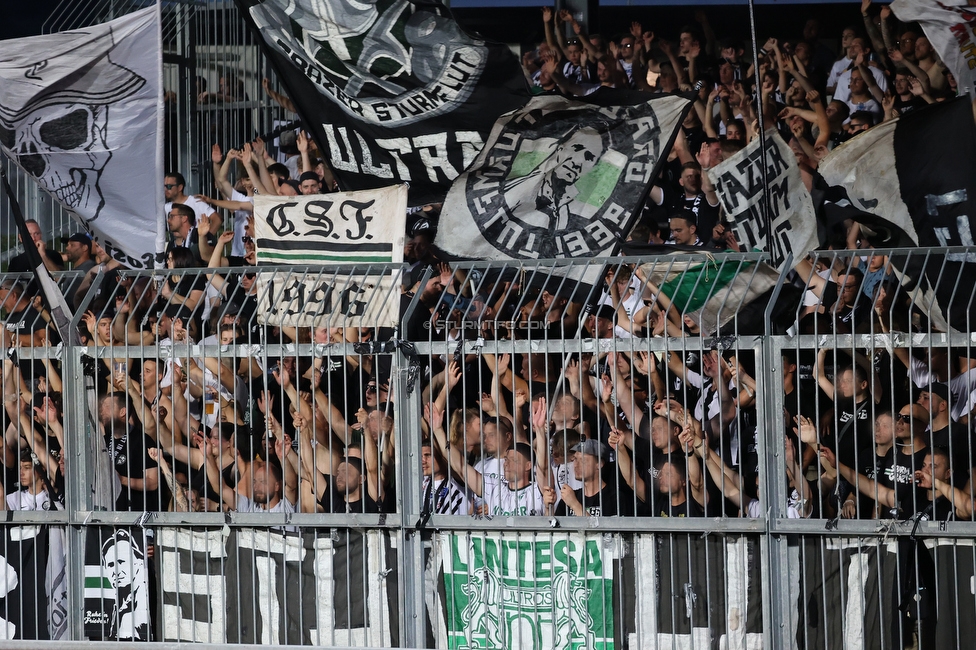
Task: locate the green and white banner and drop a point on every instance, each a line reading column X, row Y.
column 509, row 590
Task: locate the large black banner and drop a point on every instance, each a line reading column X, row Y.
column 394, row 90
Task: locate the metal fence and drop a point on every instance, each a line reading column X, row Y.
column 712, row 454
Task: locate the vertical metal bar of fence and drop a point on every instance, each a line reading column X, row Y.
column 410, row 547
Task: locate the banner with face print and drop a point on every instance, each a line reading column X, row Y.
column 560, row 178
column 81, row 112
column 394, row 91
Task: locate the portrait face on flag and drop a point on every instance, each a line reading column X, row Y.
column 559, row 178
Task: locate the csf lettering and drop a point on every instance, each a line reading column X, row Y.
column 319, row 219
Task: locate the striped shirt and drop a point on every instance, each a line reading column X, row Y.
column 445, row 497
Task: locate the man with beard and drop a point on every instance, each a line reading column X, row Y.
column 269, row 491
column 597, row 497
column 129, row 445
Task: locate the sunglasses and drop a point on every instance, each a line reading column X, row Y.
column 169, row 186
column 906, row 418
column 370, row 388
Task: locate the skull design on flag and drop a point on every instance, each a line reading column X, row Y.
column 54, row 125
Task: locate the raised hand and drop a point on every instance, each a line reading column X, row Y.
column 258, row 147
column 806, row 429
column 566, row 16
column 895, row 55
column 546, row 15
column 216, row 156
column 637, row 31
column 453, row 375
column 301, row 141
column 540, row 415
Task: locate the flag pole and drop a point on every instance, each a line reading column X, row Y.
column 766, row 221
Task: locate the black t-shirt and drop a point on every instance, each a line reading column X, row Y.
column 855, row 434
column 877, row 468
column 608, row 502
column 333, row 501
column 20, row 264
column 130, row 456
column 909, row 498
column 690, row 507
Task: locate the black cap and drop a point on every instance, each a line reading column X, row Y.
column 309, row 176
column 80, row 237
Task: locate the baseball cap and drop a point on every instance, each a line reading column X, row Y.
column 80, row 237
column 593, row 448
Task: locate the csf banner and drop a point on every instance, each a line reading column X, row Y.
column 352, row 238
column 393, row 91
column 950, row 26
column 739, row 184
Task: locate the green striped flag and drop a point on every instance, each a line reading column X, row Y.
column 711, row 291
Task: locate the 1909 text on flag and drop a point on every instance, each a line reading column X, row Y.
column 394, row 91
column 792, row 219
column 560, row 178
column 81, row 112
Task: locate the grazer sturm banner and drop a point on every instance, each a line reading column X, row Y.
column 395, row 91
column 538, row 591
column 82, row 113
column 950, row 26
column 560, row 177
column 739, row 184
column 357, row 235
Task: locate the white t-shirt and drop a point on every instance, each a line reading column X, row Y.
column 504, row 501
column 489, row 468
column 24, row 500
column 843, row 92
column 840, row 66
column 245, row 504
column 199, row 207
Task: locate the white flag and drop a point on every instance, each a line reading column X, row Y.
column 949, row 26
column 739, row 184
column 81, row 112
column 355, row 235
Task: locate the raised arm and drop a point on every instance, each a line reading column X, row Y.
column 472, row 477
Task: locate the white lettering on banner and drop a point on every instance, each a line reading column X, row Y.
column 457, row 77
column 558, row 178
column 739, row 184
column 963, row 236
column 430, row 150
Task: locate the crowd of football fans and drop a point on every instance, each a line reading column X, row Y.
column 622, row 431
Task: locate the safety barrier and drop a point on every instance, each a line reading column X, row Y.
column 710, row 454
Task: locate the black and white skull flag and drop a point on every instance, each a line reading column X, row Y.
column 560, row 178
column 739, row 184
column 950, row 26
column 395, row 91
column 81, row 112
